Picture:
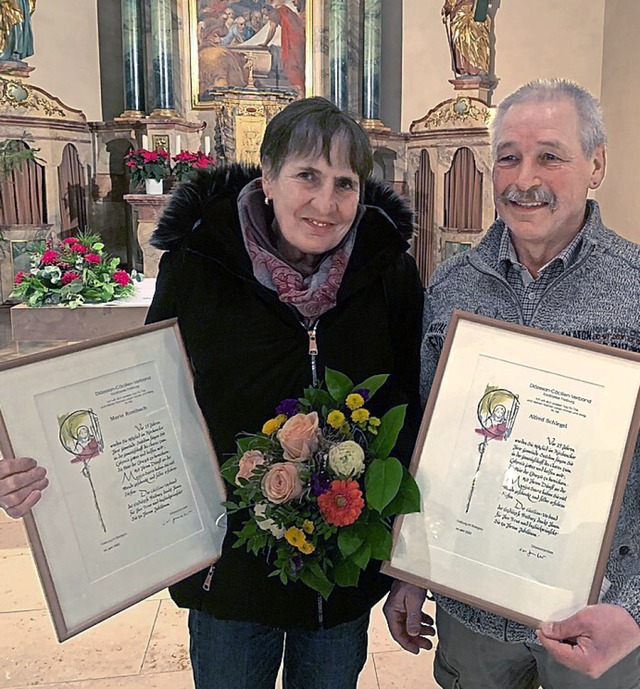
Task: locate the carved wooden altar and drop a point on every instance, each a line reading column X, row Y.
column 445, row 147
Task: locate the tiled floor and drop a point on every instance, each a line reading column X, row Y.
column 144, row 647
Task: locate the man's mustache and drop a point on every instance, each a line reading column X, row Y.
column 531, row 195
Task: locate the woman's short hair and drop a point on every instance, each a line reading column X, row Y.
column 309, row 127
column 592, row 131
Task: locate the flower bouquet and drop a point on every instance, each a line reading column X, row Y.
column 73, row 272
column 186, row 163
column 320, row 485
column 145, row 164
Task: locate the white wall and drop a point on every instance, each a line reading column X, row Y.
column 66, row 53
column 620, row 97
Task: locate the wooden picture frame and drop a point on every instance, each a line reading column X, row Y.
column 134, row 497
column 222, row 63
column 522, row 460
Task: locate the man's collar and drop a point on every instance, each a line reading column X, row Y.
column 507, row 253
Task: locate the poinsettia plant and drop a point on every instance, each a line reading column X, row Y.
column 319, row 484
column 186, row 163
column 73, row 272
column 144, row 164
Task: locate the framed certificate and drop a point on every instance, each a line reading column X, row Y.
column 134, row 496
column 522, row 460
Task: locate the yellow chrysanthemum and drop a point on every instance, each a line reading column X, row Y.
column 307, row 526
column 306, row 548
column 335, row 418
column 374, row 421
column 354, row 401
column 295, row 536
column 272, row 425
column 360, row 415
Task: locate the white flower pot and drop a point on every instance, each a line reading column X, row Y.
column 153, row 187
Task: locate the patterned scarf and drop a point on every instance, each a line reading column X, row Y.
column 311, row 295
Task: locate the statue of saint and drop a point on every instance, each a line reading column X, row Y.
column 468, row 38
column 16, row 36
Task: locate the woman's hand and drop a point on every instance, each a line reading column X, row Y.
column 21, row 484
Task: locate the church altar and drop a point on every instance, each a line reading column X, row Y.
column 59, row 325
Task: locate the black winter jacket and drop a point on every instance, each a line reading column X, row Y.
column 249, row 351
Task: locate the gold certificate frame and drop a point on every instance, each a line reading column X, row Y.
column 134, row 495
column 522, row 461
column 227, row 57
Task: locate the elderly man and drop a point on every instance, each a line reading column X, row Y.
column 548, row 262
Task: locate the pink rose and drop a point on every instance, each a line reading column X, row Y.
column 248, row 462
column 299, row 436
column 282, row 483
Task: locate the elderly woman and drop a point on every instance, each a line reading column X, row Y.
column 273, row 278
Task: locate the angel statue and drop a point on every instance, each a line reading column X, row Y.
column 468, row 25
column 16, row 35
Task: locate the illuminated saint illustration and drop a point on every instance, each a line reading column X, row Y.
column 80, row 435
column 497, row 411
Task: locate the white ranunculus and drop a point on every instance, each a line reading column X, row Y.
column 266, row 523
column 347, row 459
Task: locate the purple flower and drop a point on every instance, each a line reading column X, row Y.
column 364, row 392
column 288, row 407
column 296, row 564
column 319, row 483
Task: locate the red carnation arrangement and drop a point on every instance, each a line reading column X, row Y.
column 74, row 272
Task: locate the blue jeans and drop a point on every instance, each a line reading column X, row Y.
column 226, row 654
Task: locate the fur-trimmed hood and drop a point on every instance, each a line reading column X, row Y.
column 190, row 200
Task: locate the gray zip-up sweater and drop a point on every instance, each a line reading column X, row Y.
column 596, row 299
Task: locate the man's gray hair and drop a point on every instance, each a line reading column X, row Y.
column 592, row 131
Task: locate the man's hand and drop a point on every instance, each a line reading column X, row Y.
column 408, row 625
column 21, row 484
column 592, row 640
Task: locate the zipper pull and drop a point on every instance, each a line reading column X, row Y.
column 313, row 346
column 207, row 582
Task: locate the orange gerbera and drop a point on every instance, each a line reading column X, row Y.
column 342, row 504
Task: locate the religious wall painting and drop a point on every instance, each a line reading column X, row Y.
column 250, row 46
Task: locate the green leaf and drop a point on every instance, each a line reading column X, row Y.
column 379, row 539
column 315, row 578
column 390, row 426
column 346, row 573
column 362, row 556
column 229, row 470
column 244, row 443
column 373, row 384
column 338, row 385
column 349, row 540
column 408, row 498
column 382, row 482
column 319, row 398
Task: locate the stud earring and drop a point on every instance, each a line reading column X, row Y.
column 267, row 200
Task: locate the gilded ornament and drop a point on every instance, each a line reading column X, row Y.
column 15, row 94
